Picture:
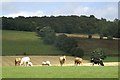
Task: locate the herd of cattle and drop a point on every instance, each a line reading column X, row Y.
column 26, row 61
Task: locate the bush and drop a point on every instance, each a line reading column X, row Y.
column 98, row 53
column 109, row 37
column 101, row 36
column 77, row 51
column 47, row 34
column 59, row 40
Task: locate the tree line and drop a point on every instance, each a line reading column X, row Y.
column 64, row 24
column 67, row 44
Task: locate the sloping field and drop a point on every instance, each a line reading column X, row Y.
column 109, row 46
column 88, row 45
column 18, row 42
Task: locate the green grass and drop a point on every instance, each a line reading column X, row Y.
column 60, row 72
column 18, row 42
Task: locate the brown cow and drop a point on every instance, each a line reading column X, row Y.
column 17, row 61
column 78, row 61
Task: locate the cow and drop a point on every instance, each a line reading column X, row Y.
column 97, row 61
column 17, row 61
column 46, row 63
column 62, row 60
column 78, row 61
column 30, row 64
column 25, row 61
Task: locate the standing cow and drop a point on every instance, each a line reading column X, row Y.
column 25, row 61
column 62, row 60
column 17, row 61
column 97, row 61
column 78, row 61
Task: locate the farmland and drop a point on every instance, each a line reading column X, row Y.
column 15, row 43
column 18, row 42
column 60, row 72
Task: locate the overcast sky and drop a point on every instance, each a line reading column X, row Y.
column 108, row 10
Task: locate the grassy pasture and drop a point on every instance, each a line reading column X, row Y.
column 60, row 72
column 18, row 42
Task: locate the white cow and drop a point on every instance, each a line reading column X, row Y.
column 25, row 61
column 46, row 63
column 30, row 64
column 62, row 60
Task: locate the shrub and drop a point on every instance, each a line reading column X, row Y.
column 47, row 34
column 77, row 51
column 98, row 53
column 101, row 36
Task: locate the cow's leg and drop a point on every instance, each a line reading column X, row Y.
column 61, row 63
column 15, row 63
column 93, row 64
column 75, row 63
column 81, row 63
column 98, row 63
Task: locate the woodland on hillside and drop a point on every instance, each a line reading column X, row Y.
column 64, row 24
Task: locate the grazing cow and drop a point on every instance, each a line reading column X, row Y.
column 97, row 61
column 78, row 61
column 30, row 64
column 62, row 60
column 17, row 61
column 46, row 63
column 25, row 61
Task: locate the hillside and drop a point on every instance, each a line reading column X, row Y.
column 18, row 42
column 109, row 46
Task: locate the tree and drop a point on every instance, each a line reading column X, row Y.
column 77, row 51
column 98, row 53
column 59, row 40
column 65, row 43
column 47, row 34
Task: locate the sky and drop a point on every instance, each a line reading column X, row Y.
column 107, row 10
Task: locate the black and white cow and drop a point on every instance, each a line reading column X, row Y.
column 97, row 61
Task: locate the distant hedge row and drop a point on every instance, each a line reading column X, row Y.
column 64, row 43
